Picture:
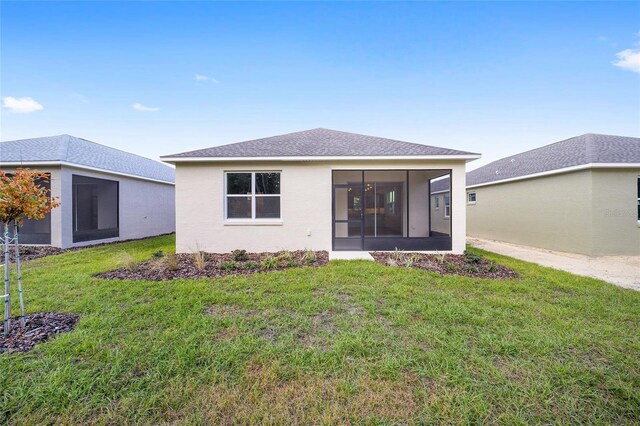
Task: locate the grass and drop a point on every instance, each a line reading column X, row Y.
column 352, row 342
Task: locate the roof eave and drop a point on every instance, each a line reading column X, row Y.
column 456, row 157
column 559, row 171
column 79, row 166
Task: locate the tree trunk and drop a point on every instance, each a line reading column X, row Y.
column 23, row 321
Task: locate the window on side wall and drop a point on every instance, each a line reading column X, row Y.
column 471, row 197
column 447, row 206
column 437, row 202
column 638, row 195
column 252, row 196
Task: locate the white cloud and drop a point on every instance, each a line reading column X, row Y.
column 21, row 105
column 142, row 108
column 628, row 59
column 202, row 77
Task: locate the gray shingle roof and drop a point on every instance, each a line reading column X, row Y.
column 82, row 152
column 576, row 151
column 440, row 185
column 319, row 143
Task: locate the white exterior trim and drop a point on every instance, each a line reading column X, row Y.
column 319, row 158
column 440, row 192
column 563, row 170
column 78, row 166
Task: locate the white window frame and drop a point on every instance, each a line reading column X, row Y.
column 475, row 195
column 253, row 195
column 447, row 207
column 437, row 203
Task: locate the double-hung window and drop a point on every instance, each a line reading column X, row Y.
column 437, row 202
column 447, row 205
column 252, row 196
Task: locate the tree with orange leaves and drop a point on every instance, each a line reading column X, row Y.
column 21, row 196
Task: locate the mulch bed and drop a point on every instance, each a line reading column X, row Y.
column 39, row 328
column 469, row 265
column 32, row 252
column 184, row 265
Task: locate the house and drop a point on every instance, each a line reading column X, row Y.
column 105, row 194
column 440, row 204
column 318, row 189
column 580, row 195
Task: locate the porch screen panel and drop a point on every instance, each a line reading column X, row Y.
column 385, row 203
column 38, row 231
column 95, row 208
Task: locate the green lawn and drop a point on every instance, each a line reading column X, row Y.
column 351, row 342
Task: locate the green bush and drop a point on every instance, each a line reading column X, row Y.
column 239, row 255
column 228, row 266
column 157, row 254
column 472, row 259
column 251, row 265
column 269, row 263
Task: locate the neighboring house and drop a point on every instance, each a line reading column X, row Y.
column 318, row 189
column 441, row 205
column 580, row 195
column 105, row 194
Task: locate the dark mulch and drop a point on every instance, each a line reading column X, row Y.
column 184, row 265
column 32, row 252
column 469, row 265
column 39, row 328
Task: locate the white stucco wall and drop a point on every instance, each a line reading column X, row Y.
column 305, row 205
column 146, row 208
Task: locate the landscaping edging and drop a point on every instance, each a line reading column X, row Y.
column 469, row 265
column 213, row 265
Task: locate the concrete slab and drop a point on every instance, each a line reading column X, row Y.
column 350, row 255
column 623, row 271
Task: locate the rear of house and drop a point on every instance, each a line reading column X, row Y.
column 580, row 195
column 105, row 194
column 318, row 189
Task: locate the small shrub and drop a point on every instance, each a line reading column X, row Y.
column 24, row 250
column 228, row 267
column 285, row 256
column 440, row 256
column 239, row 255
column 269, row 262
column 412, row 259
column 451, row 267
column 398, row 257
column 309, row 257
column 492, row 267
column 171, row 262
column 157, row 254
column 471, row 269
column 391, row 262
column 251, row 265
column 472, row 259
column 200, row 260
column 126, row 261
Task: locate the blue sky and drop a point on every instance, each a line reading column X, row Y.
column 495, row 78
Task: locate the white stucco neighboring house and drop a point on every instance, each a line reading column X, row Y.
column 318, row 189
column 105, row 194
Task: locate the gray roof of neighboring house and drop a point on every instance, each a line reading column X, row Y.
column 319, row 143
column 440, row 185
column 69, row 149
column 576, row 151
